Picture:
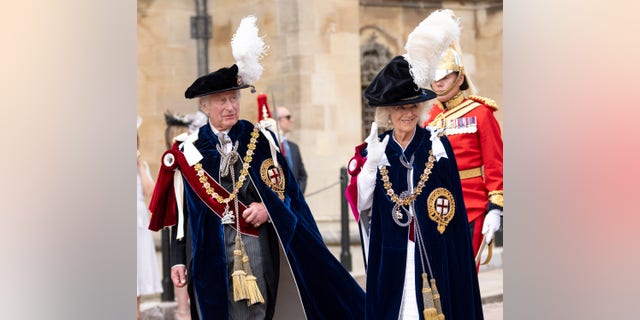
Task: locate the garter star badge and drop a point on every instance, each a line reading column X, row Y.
column 441, row 207
column 273, row 176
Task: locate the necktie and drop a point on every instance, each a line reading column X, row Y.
column 286, row 152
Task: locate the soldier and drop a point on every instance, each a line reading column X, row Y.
column 475, row 135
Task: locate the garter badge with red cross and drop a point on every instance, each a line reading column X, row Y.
column 273, row 176
column 441, row 207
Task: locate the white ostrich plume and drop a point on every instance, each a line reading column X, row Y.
column 427, row 43
column 248, row 49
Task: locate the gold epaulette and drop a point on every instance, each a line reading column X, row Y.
column 486, row 101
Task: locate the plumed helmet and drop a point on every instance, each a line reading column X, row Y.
column 451, row 62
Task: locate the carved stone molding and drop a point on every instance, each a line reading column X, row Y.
column 373, row 56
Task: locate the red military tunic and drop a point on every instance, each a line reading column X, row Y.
column 475, row 136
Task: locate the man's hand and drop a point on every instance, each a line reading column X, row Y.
column 255, row 214
column 179, row 275
column 375, row 148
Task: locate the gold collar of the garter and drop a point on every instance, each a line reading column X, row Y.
column 243, row 172
column 405, row 201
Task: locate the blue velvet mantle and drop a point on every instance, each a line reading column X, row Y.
column 326, row 289
column 450, row 253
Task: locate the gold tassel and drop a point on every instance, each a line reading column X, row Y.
column 429, row 312
column 251, row 285
column 238, row 276
column 436, row 299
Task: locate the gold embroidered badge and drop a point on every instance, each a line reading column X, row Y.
column 273, row 176
column 441, row 207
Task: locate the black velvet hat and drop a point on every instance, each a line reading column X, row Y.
column 394, row 86
column 225, row 79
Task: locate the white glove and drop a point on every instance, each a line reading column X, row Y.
column 375, row 148
column 491, row 224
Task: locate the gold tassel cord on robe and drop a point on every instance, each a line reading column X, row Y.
column 239, row 275
column 430, row 295
column 429, row 312
column 245, row 286
column 251, row 285
column 436, row 299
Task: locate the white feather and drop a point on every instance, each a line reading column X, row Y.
column 427, row 43
column 248, row 49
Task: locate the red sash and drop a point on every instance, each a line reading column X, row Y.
column 191, row 176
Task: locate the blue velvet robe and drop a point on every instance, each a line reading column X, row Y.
column 327, row 290
column 450, row 253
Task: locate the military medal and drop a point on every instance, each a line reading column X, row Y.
column 441, row 207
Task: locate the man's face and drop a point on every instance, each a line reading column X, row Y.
column 222, row 108
column 285, row 121
column 442, row 85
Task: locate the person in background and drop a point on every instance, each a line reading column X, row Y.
column 148, row 275
column 470, row 125
column 176, row 125
column 290, row 149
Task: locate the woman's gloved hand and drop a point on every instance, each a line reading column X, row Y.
column 375, row 148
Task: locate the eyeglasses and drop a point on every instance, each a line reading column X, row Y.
column 288, row 117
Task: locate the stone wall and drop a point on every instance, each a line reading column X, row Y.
column 312, row 67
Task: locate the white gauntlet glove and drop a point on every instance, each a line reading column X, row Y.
column 491, row 224
column 367, row 176
column 375, row 149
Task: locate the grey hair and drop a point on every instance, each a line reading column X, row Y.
column 383, row 115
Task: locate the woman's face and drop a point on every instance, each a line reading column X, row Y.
column 404, row 118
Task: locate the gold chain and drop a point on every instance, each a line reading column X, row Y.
column 243, row 173
column 405, row 201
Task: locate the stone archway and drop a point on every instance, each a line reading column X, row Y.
column 374, row 55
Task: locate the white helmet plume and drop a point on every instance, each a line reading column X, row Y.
column 248, row 49
column 427, row 43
